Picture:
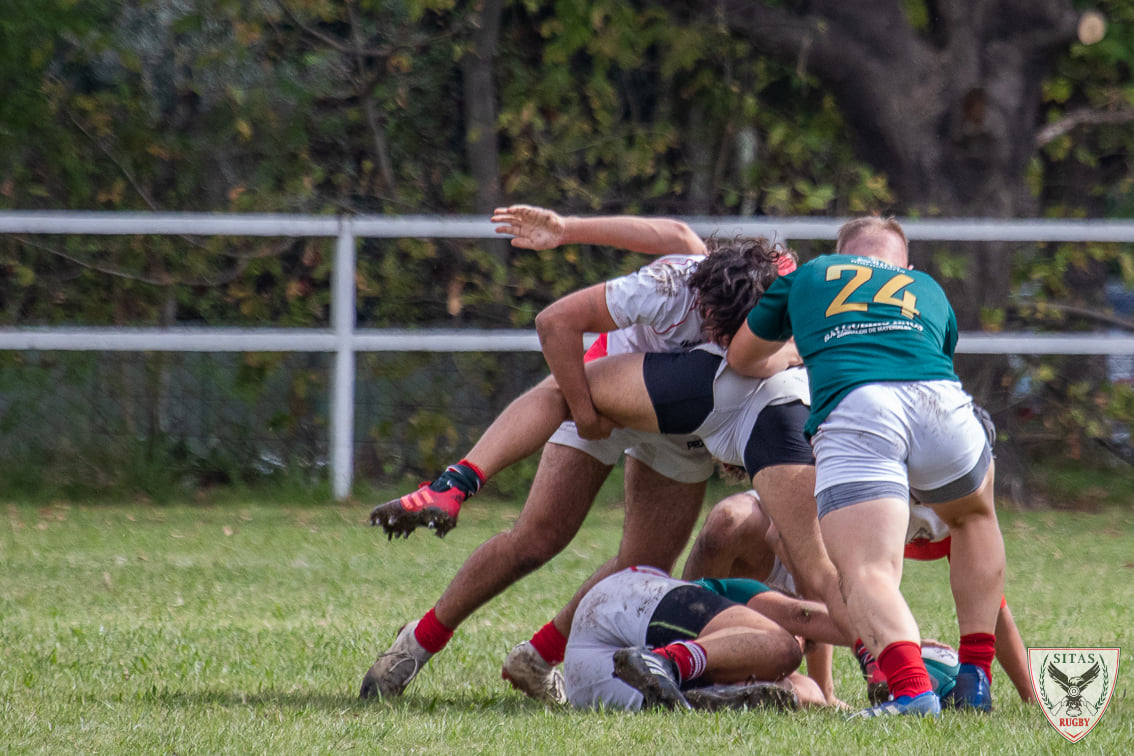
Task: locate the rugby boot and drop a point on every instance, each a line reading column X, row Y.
column 743, row 696
column 925, row 705
column 393, row 670
column 429, row 505
column 528, row 673
column 651, row 674
column 972, row 691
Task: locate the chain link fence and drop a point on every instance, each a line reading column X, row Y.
column 162, row 422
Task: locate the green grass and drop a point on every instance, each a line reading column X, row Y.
column 232, row 627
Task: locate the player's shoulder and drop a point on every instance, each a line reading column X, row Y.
column 669, row 274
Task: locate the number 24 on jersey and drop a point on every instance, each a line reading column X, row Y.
column 887, row 294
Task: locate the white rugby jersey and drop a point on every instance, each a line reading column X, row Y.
column 654, row 308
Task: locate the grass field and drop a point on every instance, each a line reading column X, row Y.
column 245, row 626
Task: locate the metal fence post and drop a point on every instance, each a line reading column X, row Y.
column 343, row 321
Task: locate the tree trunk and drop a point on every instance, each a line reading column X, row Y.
column 949, row 112
column 479, row 87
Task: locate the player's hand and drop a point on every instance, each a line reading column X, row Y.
column 593, row 426
column 532, row 227
column 934, row 643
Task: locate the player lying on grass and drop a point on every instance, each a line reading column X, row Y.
column 672, row 304
column 642, row 639
column 889, row 416
column 739, row 541
column 756, row 424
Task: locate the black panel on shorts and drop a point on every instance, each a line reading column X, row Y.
column 680, row 385
column 683, row 613
column 777, row 438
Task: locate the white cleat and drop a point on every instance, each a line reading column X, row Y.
column 529, row 673
column 394, row 670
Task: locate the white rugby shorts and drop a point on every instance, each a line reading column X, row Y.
column 614, row 614
column 918, row 434
column 681, row 458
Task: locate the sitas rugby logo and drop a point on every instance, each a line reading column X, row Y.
column 1073, row 685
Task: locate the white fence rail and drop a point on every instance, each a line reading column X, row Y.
column 345, row 340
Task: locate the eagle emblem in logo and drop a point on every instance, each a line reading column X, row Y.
column 1073, row 686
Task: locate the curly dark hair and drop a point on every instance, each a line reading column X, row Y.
column 731, row 280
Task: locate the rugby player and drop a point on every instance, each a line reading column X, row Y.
column 672, row 304
column 889, row 417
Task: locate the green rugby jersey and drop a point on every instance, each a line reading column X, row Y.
column 859, row 320
column 733, row 589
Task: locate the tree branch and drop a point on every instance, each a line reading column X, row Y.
column 365, row 95
column 1032, row 310
column 339, row 46
column 167, row 280
column 1082, row 117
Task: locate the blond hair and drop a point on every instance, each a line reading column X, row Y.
column 866, row 225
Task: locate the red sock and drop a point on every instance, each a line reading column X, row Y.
column 905, row 672
column 550, row 643
column 978, row 649
column 431, row 634
column 688, row 656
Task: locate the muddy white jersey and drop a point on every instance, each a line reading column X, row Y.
column 654, row 308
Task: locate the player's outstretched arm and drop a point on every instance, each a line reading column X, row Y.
column 809, row 619
column 539, row 228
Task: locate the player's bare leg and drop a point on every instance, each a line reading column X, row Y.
column 787, row 497
column 866, row 543
column 1012, row 654
column 976, row 577
column 565, row 485
column 518, row 432
column 732, row 542
column 740, row 643
column 736, row 646
column 521, row 429
column 618, row 391
column 660, row 515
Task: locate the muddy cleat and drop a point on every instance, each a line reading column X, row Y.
column 531, row 675
column 653, row 675
column 973, row 690
column 877, row 690
column 425, row 506
column 393, row 670
column 925, row 705
column 743, row 696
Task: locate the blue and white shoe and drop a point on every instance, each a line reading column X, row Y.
column 972, row 691
column 925, row 705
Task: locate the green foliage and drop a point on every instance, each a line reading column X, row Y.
column 359, row 107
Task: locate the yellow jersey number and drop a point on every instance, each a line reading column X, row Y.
column 887, row 294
